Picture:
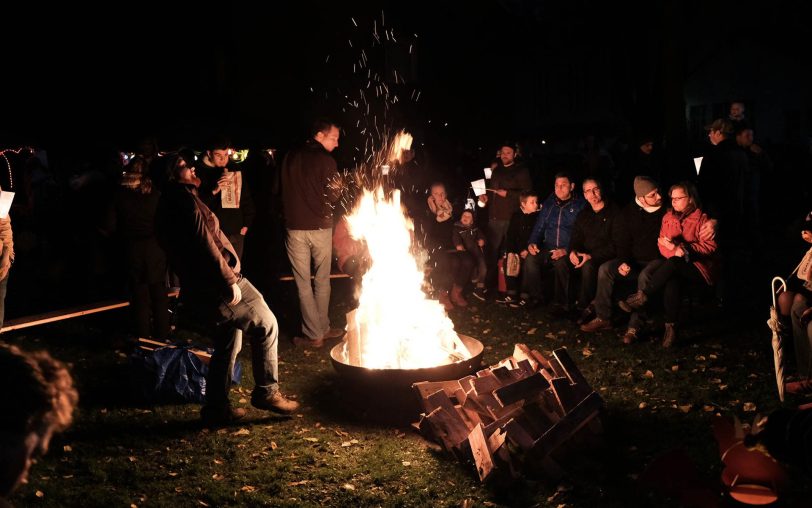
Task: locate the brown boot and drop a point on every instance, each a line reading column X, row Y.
column 457, row 298
column 670, row 335
column 633, row 302
column 445, row 301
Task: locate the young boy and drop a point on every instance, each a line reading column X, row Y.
column 470, row 239
column 528, row 281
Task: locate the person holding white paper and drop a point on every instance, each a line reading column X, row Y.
column 225, row 192
column 6, row 258
column 509, row 179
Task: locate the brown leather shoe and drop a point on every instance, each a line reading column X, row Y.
column 333, row 333
column 305, row 342
column 630, row 337
column 596, row 325
column 275, row 402
column 633, row 302
column 219, row 416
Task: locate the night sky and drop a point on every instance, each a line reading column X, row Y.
column 491, row 70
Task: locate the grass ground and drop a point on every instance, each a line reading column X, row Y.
column 120, row 453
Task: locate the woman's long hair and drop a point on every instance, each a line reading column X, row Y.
column 693, row 196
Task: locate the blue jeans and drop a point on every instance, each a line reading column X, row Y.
column 257, row 323
column 314, row 300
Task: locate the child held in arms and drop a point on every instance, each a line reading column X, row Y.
column 470, row 240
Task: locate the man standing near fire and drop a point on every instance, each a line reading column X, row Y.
column 311, row 185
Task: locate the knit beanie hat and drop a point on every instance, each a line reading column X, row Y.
column 643, row 185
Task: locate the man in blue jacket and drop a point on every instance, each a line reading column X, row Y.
column 553, row 231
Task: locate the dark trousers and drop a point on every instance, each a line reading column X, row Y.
column 150, row 303
column 670, row 277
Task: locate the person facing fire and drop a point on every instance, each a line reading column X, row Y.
column 310, row 189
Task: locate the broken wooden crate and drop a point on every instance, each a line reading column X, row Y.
column 526, row 406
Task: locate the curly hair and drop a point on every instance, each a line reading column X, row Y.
column 43, row 396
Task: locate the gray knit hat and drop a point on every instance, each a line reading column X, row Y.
column 643, row 185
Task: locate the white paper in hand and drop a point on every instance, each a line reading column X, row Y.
column 697, row 163
column 479, row 186
column 6, row 198
column 488, row 173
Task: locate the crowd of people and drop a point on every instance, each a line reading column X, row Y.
column 183, row 219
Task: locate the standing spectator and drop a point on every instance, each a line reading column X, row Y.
column 508, row 180
column 226, row 192
column 38, row 400
column 736, row 115
column 133, row 216
column 6, row 258
column 688, row 258
column 223, row 300
column 553, row 231
column 469, row 240
column 591, row 244
column 524, row 289
column 310, row 187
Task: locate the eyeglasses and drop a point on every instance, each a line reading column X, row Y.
column 678, row 198
column 593, row 190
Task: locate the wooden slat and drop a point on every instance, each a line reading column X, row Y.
column 479, row 449
column 569, row 424
column 332, row 276
column 564, row 393
column 528, row 388
column 72, row 312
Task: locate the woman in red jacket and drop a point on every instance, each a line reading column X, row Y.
column 688, row 259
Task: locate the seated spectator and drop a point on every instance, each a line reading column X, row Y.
column 591, row 244
column 469, row 240
column 524, row 289
column 688, row 258
column 552, row 232
column 38, row 400
column 795, row 305
column 447, row 268
column 6, row 258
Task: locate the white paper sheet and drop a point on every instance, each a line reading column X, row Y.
column 6, row 198
column 697, row 163
column 479, row 186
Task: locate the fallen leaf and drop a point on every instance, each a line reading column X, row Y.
column 586, row 352
column 723, row 387
column 715, row 381
column 178, row 489
column 562, row 332
column 217, row 477
column 347, row 486
column 300, row 482
column 706, row 408
column 549, row 336
column 67, row 476
column 248, row 488
column 712, row 356
column 202, row 503
column 39, row 493
column 686, row 408
column 346, row 444
column 172, row 473
column 648, row 375
column 131, row 458
column 749, row 407
column 752, row 376
column 243, row 400
column 532, row 331
column 486, row 331
column 274, row 445
column 341, row 433
column 674, row 368
column 241, row 432
column 67, row 449
column 312, row 439
column 407, row 463
column 700, row 358
column 218, row 462
column 642, row 405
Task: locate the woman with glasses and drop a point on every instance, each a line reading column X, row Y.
column 688, row 259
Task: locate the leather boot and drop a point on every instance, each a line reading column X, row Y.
column 457, row 298
column 445, row 301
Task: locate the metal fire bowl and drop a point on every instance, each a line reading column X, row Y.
column 390, row 378
column 386, row 395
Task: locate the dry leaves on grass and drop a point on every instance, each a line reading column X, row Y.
column 241, row 432
column 311, row 439
column 532, row 331
column 648, row 375
column 296, row 484
column 347, row 486
column 248, row 488
column 351, row 442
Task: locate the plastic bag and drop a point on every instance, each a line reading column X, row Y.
column 171, row 375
